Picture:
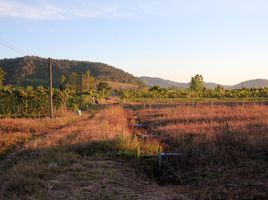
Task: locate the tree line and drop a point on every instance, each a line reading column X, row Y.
column 197, row 89
column 31, row 101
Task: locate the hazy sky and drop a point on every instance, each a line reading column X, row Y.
column 225, row 40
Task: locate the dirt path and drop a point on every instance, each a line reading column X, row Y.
column 106, row 178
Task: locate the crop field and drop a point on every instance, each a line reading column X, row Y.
column 113, row 153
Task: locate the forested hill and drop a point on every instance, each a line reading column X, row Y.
column 32, row 70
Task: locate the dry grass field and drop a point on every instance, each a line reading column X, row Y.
column 15, row 132
column 223, row 154
column 224, row 148
column 75, row 158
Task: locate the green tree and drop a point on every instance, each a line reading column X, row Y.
column 219, row 87
column 155, row 88
column 62, row 80
column 197, row 83
column 103, row 86
column 2, row 76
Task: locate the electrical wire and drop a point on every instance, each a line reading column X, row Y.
column 14, row 48
column 25, row 53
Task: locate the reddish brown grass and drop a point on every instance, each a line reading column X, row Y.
column 25, row 174
column 224, row 153
column 42, row 141
column 15, row 132
column 179, row 121
column 105, row 125
column 225, row 148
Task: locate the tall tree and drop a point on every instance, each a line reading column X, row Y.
column 87, row 81
column 197, row 83
column 62, row 80
column 2, row 76
column 74, row 80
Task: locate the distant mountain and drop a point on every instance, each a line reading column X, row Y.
column 256, row 83
column 151, row 81
column 211, row 85
column 32, row 70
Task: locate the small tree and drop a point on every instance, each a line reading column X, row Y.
column 197, row 83
column 155, row 88
column 219, row 87
column 103, row 86
column 2, row 76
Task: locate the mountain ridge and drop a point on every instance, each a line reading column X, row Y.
column 33, row 70
column 254, row 83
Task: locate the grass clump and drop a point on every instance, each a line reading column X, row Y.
column 132, row 146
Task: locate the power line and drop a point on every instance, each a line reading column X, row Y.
column 25, row 53
column 14, row 48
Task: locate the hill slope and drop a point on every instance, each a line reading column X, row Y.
column 256, row 83
column 151, row 81
column 31, row 70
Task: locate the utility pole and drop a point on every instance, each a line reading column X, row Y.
column 50, row 88
column 81, row 92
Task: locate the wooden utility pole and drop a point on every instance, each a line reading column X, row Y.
column 81, row 92
column 50, row 88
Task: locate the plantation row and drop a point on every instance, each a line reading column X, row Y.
column 34, row 102
column 163, row 93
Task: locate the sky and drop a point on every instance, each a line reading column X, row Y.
column 224, row 40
